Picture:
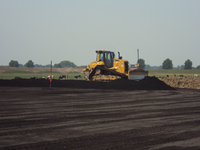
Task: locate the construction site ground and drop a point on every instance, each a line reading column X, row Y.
column 81, row 115
column 182, row 82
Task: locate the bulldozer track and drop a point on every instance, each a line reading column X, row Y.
column 113, row 75
column 81, row 119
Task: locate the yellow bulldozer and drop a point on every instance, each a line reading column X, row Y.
column 107, row 67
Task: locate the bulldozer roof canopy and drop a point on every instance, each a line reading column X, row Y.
column 103, row 51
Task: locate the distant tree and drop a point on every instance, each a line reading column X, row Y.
column 167, row 64
column 198, row 67
column 30, row 63
column 16, row 64
column 64, row 64
column 67, row 63
column 188, row 64
column 13, row 63
column 141, row 63
column 57, row 66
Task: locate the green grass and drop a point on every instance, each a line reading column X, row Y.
column 171, row 72
column 11, row 74
column 47, row 72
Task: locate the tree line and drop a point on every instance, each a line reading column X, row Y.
column 14, row 63
column 30, row 63
column 167, row 64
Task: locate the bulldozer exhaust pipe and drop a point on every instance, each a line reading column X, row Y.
column 138, row 59
column 119, row 55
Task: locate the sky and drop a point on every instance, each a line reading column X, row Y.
column 57, row 30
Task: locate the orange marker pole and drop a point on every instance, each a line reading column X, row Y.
column 50, row 74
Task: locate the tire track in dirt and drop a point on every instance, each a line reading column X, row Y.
column 109, row 113
column 109, row 121
column 149, row 135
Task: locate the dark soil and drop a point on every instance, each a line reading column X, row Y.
column 36, row 118
column 148, row 83
column 83, row 115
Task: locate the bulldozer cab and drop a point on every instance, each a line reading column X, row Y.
column 107, row 57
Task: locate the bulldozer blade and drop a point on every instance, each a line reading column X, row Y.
column 137, row 74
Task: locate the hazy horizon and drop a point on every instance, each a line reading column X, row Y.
column 73, row 30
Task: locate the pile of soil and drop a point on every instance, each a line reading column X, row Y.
column 182, row 82
column 148, row 83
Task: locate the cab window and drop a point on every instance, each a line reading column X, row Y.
column 108, row 60
column 101, row 57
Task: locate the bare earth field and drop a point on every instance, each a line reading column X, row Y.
column 103, row 117
column 182, row 82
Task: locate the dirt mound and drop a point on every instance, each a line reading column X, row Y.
column 182, row 82
column 148, row 83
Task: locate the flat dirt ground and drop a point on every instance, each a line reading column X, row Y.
column 37, row 118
